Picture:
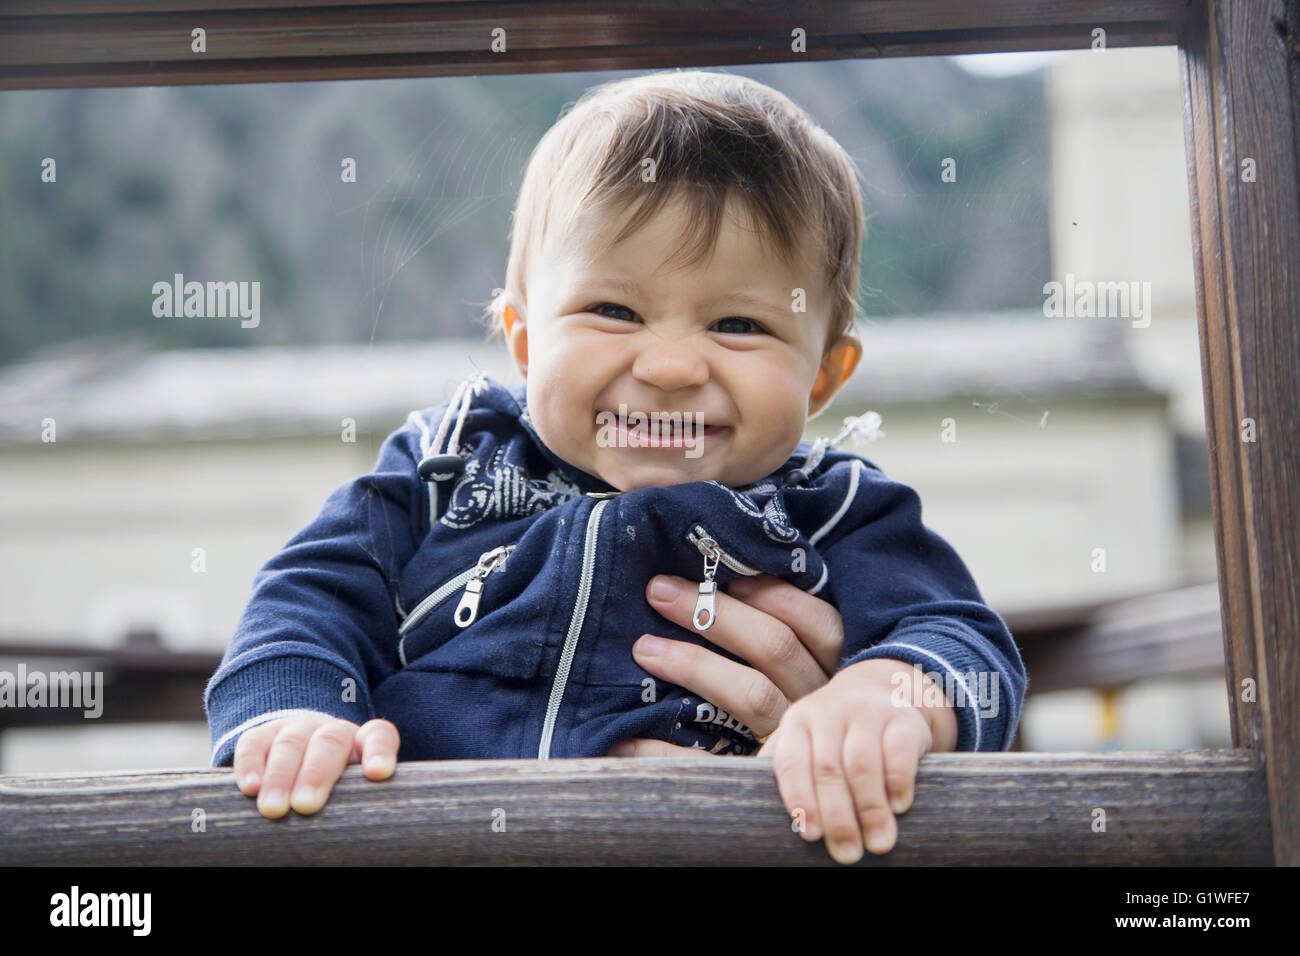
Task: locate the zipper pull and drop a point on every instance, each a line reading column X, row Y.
column 467, row 609
column 489, row 561
column 704, row 604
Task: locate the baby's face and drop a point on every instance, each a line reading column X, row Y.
column 588, row 344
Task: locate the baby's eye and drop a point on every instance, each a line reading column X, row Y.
column 742, row 321
column 735, row 325
column 610, row 305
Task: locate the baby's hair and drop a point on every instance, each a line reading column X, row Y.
column 707, row 137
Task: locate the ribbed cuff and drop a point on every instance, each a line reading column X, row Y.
column 275, row 687
column 979, row 696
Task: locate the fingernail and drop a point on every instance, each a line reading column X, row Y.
column 900, row 804
column 379, row 763
column 665, row 589
column 878, row 842
column 846, row 853
column 275, row 801
column 651, row 646
column 307, row 796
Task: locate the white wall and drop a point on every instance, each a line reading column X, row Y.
column 1026, row 506
column 96, row 537
column 1120, row 205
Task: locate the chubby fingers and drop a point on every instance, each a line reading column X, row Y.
column 323, row 761
column 332, row 747
column 790, row 749
column 742, row 691
column 904, row 743
column 845, row 786
column 865, row 772
column 831, row 790
column 847, row 780
column 288, row 744
column 375, row 748
column 779, row 645
column 250, row 757
column 296, row 762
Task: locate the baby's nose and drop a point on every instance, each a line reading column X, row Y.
column 670, row 365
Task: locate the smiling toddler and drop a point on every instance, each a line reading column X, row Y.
column 679, row 300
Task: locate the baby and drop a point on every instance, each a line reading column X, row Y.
column 481, row 592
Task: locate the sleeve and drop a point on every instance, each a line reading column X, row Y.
column 320, row 626
column 904, row 594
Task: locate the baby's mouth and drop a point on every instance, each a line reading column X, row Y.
column 666, row 431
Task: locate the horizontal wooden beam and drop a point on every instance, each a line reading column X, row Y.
column 142, row 681
column 1170, row 633
column 75, row 43
column 129, row 697
column 1180, row 808
column 152, row 657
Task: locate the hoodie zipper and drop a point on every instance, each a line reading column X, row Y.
column 713, row 555
column 575, row 629
column 471, row 579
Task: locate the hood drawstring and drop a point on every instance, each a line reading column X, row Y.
column 439, row 465
column 861, row 429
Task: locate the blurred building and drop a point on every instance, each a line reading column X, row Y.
column 174, row 475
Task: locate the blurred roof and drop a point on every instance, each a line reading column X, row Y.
column 133, row 392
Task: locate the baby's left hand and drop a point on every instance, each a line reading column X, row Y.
column 848, row 752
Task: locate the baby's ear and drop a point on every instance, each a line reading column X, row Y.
column 516, row 339
column 840, row 361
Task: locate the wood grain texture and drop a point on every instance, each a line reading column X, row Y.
column 1239, row 63
column 73, row 43
column 1184, row 808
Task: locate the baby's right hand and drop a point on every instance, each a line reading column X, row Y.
column 304, row 756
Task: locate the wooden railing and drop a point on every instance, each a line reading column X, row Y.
column 52, row 43
column 1117, row 809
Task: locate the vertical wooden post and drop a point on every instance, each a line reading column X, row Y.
column 1240, row 63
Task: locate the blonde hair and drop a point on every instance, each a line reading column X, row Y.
column 710, row 136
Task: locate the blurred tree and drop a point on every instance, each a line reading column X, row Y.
column 243, row 182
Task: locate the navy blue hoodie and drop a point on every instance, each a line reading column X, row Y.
column 490, row 610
